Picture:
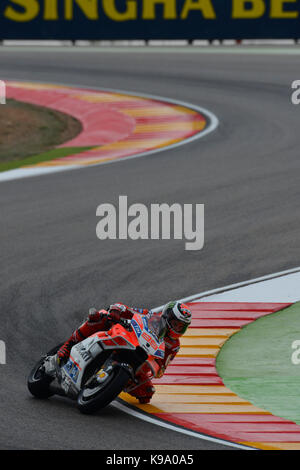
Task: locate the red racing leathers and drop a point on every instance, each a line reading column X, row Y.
column 100, row 321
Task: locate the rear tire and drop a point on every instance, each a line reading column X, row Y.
column 38, row 382
column 89, row 402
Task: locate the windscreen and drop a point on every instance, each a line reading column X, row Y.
column 157, row 325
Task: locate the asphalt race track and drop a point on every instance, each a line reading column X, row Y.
column 53, row 268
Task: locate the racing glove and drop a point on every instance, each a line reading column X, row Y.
column 121, row 308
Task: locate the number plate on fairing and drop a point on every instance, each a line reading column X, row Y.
column 72, row 370
column 146, row 339
column 81, row 355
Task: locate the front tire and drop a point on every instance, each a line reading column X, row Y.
column 91, row 399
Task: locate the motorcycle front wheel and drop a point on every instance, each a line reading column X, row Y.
column 96, row 396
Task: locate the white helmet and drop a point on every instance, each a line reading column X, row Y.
column 178, row 318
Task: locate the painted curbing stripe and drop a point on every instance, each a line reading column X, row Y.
column 258, row 416
column 144, row 417
column 180, row 408
column 212, row 124
column 194, row 410
column 191, row 389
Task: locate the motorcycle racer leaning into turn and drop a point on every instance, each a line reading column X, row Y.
column 172, row 323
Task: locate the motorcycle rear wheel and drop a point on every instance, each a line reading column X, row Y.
column 38, row 383
column 93, row 399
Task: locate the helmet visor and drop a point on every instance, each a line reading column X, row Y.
column 177, row 326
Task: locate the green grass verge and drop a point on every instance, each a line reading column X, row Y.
column 43, row 157
column 256, row 363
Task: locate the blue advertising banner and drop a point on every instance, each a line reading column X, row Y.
column 149, row 19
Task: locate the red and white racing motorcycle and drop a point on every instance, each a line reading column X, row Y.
column 103, row 365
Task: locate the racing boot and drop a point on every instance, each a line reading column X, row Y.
column 143, row 393
column 63, row 353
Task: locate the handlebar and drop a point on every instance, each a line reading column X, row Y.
column 121, row 321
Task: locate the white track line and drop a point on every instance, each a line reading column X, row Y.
column 238, row 285
column 20, row 173
column 264, row 48
column 38, row 171
column 199, row 296
column 281, row 289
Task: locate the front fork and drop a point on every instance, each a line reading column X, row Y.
column 108, row 367
column 147, row 371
